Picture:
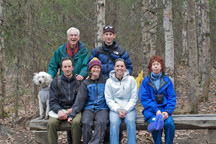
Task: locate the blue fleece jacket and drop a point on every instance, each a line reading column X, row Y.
column 147, row 92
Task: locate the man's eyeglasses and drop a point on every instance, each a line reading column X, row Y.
column 110, row 27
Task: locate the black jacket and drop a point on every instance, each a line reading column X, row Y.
column 67, row 93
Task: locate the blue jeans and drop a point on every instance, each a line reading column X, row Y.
column 169, row 129
column 130, row 121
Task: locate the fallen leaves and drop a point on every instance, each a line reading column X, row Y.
column 16, row 129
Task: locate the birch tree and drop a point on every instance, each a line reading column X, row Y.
column 204, row 58
column 100, row 14
column 193, row 64
column 2, row 64
column 169, row 39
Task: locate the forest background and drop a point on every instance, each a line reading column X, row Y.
column 183, row 32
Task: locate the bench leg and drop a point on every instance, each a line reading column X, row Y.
column 212, row 136
column 41, row 137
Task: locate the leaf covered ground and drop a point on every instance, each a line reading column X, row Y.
column 16, row 131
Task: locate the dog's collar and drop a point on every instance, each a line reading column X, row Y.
column 45, row 88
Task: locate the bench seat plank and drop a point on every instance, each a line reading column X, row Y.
column 189, row 121
column 182, row 122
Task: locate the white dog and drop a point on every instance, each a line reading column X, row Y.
column 43, row 80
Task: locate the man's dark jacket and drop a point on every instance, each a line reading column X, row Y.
column 67, row 93
column 115, row 51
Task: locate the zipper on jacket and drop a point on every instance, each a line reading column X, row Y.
column 107, row 66
column 96, row 93
column 69, row 91
column 122, row 85
column 120, row 81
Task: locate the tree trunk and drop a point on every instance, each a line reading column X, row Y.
column 184, row 58
column 193, row 64
column 100, row 14
column 2, row 65
column 33, row 54
column 169, row 39
column 204, row 58
column 16, row 104
column 145, row 21
column 153, row 23
column 199, row 37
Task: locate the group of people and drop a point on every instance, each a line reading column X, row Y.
column 99, row 91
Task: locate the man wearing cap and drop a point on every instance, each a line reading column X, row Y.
column 91, row 101
column 110, row 51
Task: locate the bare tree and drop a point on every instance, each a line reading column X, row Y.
column 169, row 39
column 149, row 29
column 100, row 14
column 18, row 83
column 204, row 56
column 2, row 65
column 153, row 23
column 193, row 64
column 198, row 15
column 184, row 58
column 33, row 54
column 145, row 24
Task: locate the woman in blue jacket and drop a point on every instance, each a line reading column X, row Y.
column 91, row 101
column 157, row 95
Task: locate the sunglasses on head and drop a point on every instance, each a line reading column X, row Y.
column 110, row 27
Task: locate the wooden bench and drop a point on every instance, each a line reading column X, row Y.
column 182, row 122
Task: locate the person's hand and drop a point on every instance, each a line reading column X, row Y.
column 70, row 120
column 62, row 115
column 165, row 115
column 69, row 111
column 79, row 77
column 158, row 112
column 122, row 113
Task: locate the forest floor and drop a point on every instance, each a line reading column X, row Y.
column 16, row 130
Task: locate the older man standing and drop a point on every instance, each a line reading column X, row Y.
column 73, row 49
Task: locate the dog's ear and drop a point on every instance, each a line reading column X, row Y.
column 35, row 74
column 48, row 79
column 35, row 79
